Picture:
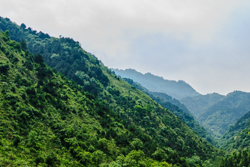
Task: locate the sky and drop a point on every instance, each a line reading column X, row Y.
column 203, row 42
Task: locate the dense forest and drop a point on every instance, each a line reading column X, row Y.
column 237, row 136
column 219, row 116
column 60, row 106
column 175, row 107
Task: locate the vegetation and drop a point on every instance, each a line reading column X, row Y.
column 225, row 112
column 237, row 136
column 154, row 83
column 236, row 159
column 169, row 103
column 172, row 100
column 48, row 119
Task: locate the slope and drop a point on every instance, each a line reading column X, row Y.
column 154, row 83
column 172, row 100
column 225, row 112
column 47, row 120
column 154, row 130
column 169, row 103
column 237, row 136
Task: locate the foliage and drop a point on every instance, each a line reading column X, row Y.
column 240, row 158
column 217, row 112
column 237, row 136
column 169, row 103
column 225, row 112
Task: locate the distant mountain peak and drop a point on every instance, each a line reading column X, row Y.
column 176, row 89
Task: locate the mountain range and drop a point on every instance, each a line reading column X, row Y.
column 214, row 111
column 60, row 106
column 176, row 89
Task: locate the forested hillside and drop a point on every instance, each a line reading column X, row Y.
column 169, row 103
column 154, row 83
column 172, row 100
column 225, row 112
column 239, row 158
column 63, row 124
column 47, row 119
column 237, row 136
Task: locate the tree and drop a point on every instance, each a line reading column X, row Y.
column 38, row 59
column 23, row 26
column 23, row 45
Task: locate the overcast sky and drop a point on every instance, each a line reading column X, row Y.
column 206, row 43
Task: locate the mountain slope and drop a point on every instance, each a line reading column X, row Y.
column 237, row 136
column 174, row 101
column 167, row 102
column 149, row 126
column 225, row 112
column 154, row 83
column 47, row 120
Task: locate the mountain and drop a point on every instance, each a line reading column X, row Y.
column 217, row 112
column 225, row 112
column 172, row 100
column 199, row 104
column 176, row 107
column 154, row 83
column 48, row 119
column 237, row 136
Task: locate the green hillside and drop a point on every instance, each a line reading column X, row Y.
column 172, row 100
column 45, row 116
column 237, row 136
column 154, row 83
column 225, row 112
column 49, row 120
column 240, row 158
column 169, row 103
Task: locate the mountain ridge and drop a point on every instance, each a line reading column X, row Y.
column 176, row 89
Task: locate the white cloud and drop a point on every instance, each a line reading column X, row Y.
column 125, row 33
column 106, row 22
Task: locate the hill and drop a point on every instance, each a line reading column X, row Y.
column 219, row 116
column 154, row 83
column 176, row 107
column 237, row 136
column 172, row 100
column 119, row 123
